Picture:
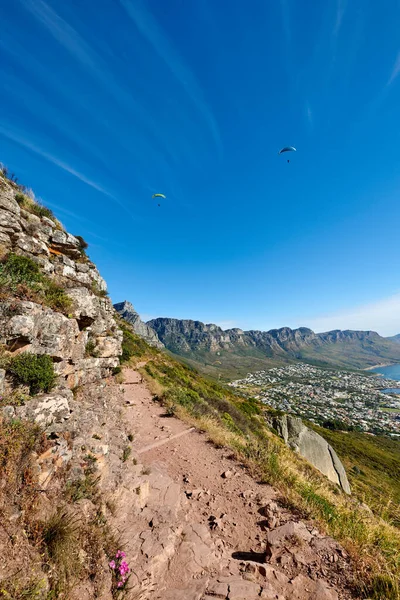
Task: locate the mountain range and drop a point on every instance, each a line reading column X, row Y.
column 234, row 351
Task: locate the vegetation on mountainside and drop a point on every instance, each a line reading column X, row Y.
column 133, row 346
column 239, row 424
column 228, row 365
column 373, row 467
column 33, row 370
column 21, row 277
column 352, row 353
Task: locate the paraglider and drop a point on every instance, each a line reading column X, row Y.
column 287, row 149
column 159, row 196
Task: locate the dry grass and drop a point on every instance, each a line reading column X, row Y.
column 18, row 439
column 16, row 588
column 29, row 203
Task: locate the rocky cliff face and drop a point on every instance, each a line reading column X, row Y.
column 129, row 314
column 313, row 447
column 345, row 348
column 186, row 336
column 82, row 338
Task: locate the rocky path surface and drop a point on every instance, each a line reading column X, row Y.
column 204, row 529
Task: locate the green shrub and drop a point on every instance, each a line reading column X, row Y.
column 82, row 488
column 34, row 370
column 55, row 297
column 20, row 270
column 23, row 271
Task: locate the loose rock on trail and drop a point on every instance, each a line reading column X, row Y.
column 197, row 526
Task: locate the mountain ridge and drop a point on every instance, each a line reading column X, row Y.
column 345, row 348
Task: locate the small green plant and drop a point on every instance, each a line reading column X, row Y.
column 82, row 488
column 94, row 287
column 41, row 211
column 126, row 453
column 96, row 436
column 116, row 370
column 15, row 398
column 90, row 460
column 90, row 349
column 55, row 296
column 33, row 370
column 20, row 198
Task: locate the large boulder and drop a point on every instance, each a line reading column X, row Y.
column 129, row 314
column 313, row 447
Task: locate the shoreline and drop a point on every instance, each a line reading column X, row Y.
column 379, row 366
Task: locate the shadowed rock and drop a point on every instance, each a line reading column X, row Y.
column 129, row 314
column 313, row 447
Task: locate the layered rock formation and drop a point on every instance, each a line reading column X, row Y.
column 129, row 314
column 345, row 348
column 27, row 325
column 313, row 447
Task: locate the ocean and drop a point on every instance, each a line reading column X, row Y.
column 390, row 372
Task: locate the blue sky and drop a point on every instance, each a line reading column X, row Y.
column 105, row 103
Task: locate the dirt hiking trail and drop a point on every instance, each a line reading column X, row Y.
column 197, row 527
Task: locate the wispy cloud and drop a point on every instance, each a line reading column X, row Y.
column 286, row 20
column 395, row 71
column 35, row 149
column 66, row 35
column 150, row 30
column 18, row 139
column 309, row 114
column 89, row 59
column 382, row 316
column 340, row 11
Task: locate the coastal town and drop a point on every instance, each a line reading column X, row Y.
column 334, row 398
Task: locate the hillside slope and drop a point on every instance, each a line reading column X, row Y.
column 216, row 350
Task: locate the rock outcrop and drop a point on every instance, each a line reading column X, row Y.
column 129, row 314
column 27, row 325
column 313, row 447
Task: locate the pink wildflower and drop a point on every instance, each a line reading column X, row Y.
column 120, row 584
column 123, row 568
column 111, row 564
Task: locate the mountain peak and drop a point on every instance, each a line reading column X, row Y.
column 129, row 314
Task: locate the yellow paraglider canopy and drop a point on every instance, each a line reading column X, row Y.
column 158, row 196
